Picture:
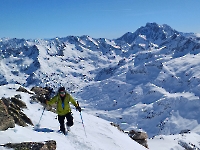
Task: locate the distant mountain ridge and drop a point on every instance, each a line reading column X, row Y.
column 150, row 76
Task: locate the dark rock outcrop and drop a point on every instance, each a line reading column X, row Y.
column 117, row 126
column 41, row 94
column 6, row 120
column 140, row 137
column 47, row 145
column 18, row 102
column 22, row 89
column 11, row 113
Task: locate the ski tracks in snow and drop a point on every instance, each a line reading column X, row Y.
column 78, row 142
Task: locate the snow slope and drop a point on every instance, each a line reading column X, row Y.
column 100, row 135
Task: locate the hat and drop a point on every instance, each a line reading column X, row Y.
column 61, row 89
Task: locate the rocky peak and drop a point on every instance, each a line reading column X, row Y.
column 152, row 32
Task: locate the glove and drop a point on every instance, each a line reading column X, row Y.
column 78, row 108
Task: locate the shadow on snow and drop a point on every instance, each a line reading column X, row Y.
column 43, row 130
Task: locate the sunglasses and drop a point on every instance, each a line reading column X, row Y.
column 62, row 92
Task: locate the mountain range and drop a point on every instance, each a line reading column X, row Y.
column 146, row 80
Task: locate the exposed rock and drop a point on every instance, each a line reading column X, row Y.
column 19, row 117
column 13, row 108
column 18, row 102
column 41, row 94
column 22, row 89
column 140, row 137
column 184, row 131
column 187, row 146
column 137, row 135
column 47, row 145
column 6, row 121
column 117, row 126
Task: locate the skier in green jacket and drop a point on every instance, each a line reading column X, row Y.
column 63, row 108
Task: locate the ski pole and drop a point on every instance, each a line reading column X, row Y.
column 82, row 120
column 38, row 125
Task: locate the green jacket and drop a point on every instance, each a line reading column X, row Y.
column 60, row 110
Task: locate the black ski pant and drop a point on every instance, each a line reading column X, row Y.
column 69, row 123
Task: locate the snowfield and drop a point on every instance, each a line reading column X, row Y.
column 100, row 135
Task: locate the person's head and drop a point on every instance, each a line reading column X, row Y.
column 62, row 91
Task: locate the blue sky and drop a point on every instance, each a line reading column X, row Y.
column 96, row 18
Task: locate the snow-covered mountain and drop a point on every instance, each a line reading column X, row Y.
column 146, row 80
